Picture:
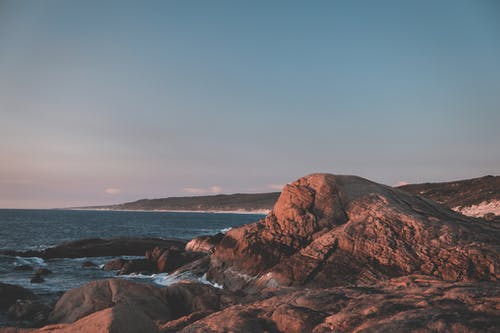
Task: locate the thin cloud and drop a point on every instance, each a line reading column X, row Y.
column 112, row 190
column 200, row 190
column 277, row 187
column 216, row 189
column 401, row 183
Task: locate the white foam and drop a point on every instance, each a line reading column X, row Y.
column 30, row 261
column 204, row 280
column 225, row 230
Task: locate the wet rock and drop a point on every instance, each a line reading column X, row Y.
column 143, row 266
column 97, row 247
column 37, row 278
column 88, row 264
column 23, row 268
column 43, row 271
column 115, row 264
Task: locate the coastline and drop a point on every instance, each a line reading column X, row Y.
column 246, row 212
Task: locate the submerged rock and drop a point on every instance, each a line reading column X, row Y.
column 43, row 271
column 23, row 268
column 88, row 264
column 37, row 278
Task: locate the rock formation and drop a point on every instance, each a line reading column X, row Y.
column 97, row 247
column 336, row 254
column 328, row 230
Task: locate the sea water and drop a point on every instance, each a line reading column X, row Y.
column 38, row 229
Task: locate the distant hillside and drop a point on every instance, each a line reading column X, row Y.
column 473, row 197
column 222, row 202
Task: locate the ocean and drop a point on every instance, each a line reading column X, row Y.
column 39, row 229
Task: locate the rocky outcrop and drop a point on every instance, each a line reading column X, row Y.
column 97, row 247
column 407, row 304
column 157, row 260
column 337, row 254
column 204, row 244
column 328, row 230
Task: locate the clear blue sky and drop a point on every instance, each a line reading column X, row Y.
column 110, row 101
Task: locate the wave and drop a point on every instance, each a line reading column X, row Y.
column 29, row 261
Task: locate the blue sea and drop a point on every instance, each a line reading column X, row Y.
column 39, row 229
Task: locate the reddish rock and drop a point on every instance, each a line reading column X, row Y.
column 118, row 319
column 328, row 230
column 98, row 295
column 409, row 304
column 204, row 244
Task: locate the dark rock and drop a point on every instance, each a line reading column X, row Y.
column 489, row 217
column 88, row 264
column 23, row 268
column 97, row 247
column 43, row 271
column 173, row 258
column 204, row 243
column 115, row 264
column 10, row 293
column 34, row 312
column 37, row 278
column 143, row 266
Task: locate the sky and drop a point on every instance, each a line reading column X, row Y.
column 110, row 101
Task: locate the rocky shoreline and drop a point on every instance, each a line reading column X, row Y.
column 336, row 254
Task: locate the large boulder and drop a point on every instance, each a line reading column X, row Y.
column 328, row 230
column 98, row 295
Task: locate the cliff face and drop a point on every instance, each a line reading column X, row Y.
column 328, row 230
